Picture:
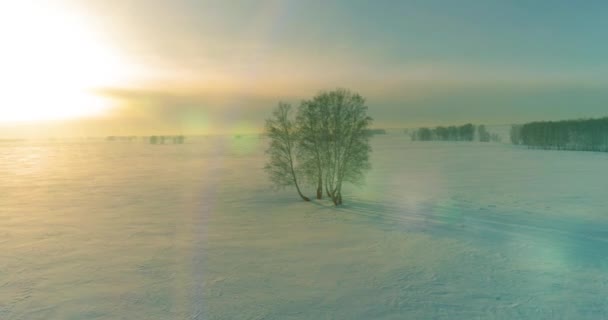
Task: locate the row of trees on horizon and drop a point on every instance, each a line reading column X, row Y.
column 177, row 139
column 325, row 145
column 162, row 139
column 578, row 135
column 467, row 132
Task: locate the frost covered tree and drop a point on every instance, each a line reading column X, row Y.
column 282, row 149
column 328, row 144
column 483, row 134
column 344, row 134
column 579, row 134
column 515, row 134
column 466, row 132
column 451, row 133
column 311, row 141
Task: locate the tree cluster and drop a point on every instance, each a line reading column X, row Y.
column 121, row 138
column 581, row 134
column 485, row 136
column 167, row 139
column 325, row 145
column 467, row 132
column 452, row 133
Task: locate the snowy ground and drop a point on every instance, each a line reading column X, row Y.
column 118, row 230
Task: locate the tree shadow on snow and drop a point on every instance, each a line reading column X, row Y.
column 580, row 242
column 375, row 213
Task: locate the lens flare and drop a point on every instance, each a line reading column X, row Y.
column 52, row 61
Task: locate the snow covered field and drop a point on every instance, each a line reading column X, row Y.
column 119, row 230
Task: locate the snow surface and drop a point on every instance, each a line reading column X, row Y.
column 117, row 230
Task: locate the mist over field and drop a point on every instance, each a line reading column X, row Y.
column 443, row 230
column 296, row 159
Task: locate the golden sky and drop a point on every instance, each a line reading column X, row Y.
column 97, row 67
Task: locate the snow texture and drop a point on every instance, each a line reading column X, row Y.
column 127, row 230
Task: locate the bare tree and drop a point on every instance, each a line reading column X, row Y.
column 311, row 142
column 328, row 143
column 484, row 135
column 345, row 135
column 515, row 133
column 282, row 149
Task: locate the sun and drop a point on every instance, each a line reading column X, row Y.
column 51, row 63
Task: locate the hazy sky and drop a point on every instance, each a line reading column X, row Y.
column 206, row 66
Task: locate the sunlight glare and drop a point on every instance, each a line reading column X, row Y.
column 52, row 62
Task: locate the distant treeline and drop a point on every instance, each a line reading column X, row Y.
column 453, row 133
column 121, row 138
column 151, row 139
column 580, row 135
column 372, row 132
column 167, row 139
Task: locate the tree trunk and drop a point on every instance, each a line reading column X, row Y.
column 337, row 198
column 320, row 189
column 295, row 181
column 305, row 198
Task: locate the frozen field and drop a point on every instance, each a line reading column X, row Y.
column 119, row 230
